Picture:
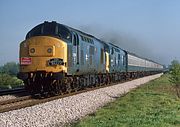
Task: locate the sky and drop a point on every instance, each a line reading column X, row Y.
column 148, row 28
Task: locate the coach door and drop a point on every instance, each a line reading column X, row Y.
column 76, row 52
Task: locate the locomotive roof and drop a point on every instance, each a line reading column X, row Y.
column 86, row 34
column 105, row 43
column 73, row 29
column 83, row 33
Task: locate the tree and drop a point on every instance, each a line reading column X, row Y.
column 175, row 75
column 10, row 68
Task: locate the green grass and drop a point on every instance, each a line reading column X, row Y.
column 154, row 104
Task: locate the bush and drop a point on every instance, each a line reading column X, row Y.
column 7, row 81
column 175, row 75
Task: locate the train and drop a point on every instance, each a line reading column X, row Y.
column 56, row 59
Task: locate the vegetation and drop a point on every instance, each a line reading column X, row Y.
column 154, row 104
column 175, row 75
column 7, row 81
column 10, row 68
column 8, row 77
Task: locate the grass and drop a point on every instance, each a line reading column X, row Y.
column 154, row 104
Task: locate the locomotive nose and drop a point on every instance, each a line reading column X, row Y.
column 43, row 53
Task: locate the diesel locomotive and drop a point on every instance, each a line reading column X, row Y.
column 57, row 59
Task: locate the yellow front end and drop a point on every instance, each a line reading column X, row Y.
column 43, row 53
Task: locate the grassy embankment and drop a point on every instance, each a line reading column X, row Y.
column 154, row 104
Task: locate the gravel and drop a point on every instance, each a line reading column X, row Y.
column 67, row 110
column 7, row 97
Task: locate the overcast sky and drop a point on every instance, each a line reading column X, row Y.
column 149, row 28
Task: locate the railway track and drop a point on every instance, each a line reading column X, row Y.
column 12, row 91
column 27, row 101
column 13, row 104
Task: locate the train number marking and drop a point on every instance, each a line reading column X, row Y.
column 55, row 61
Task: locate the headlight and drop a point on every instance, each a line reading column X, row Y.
column 49, row 50
column 32, row 50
